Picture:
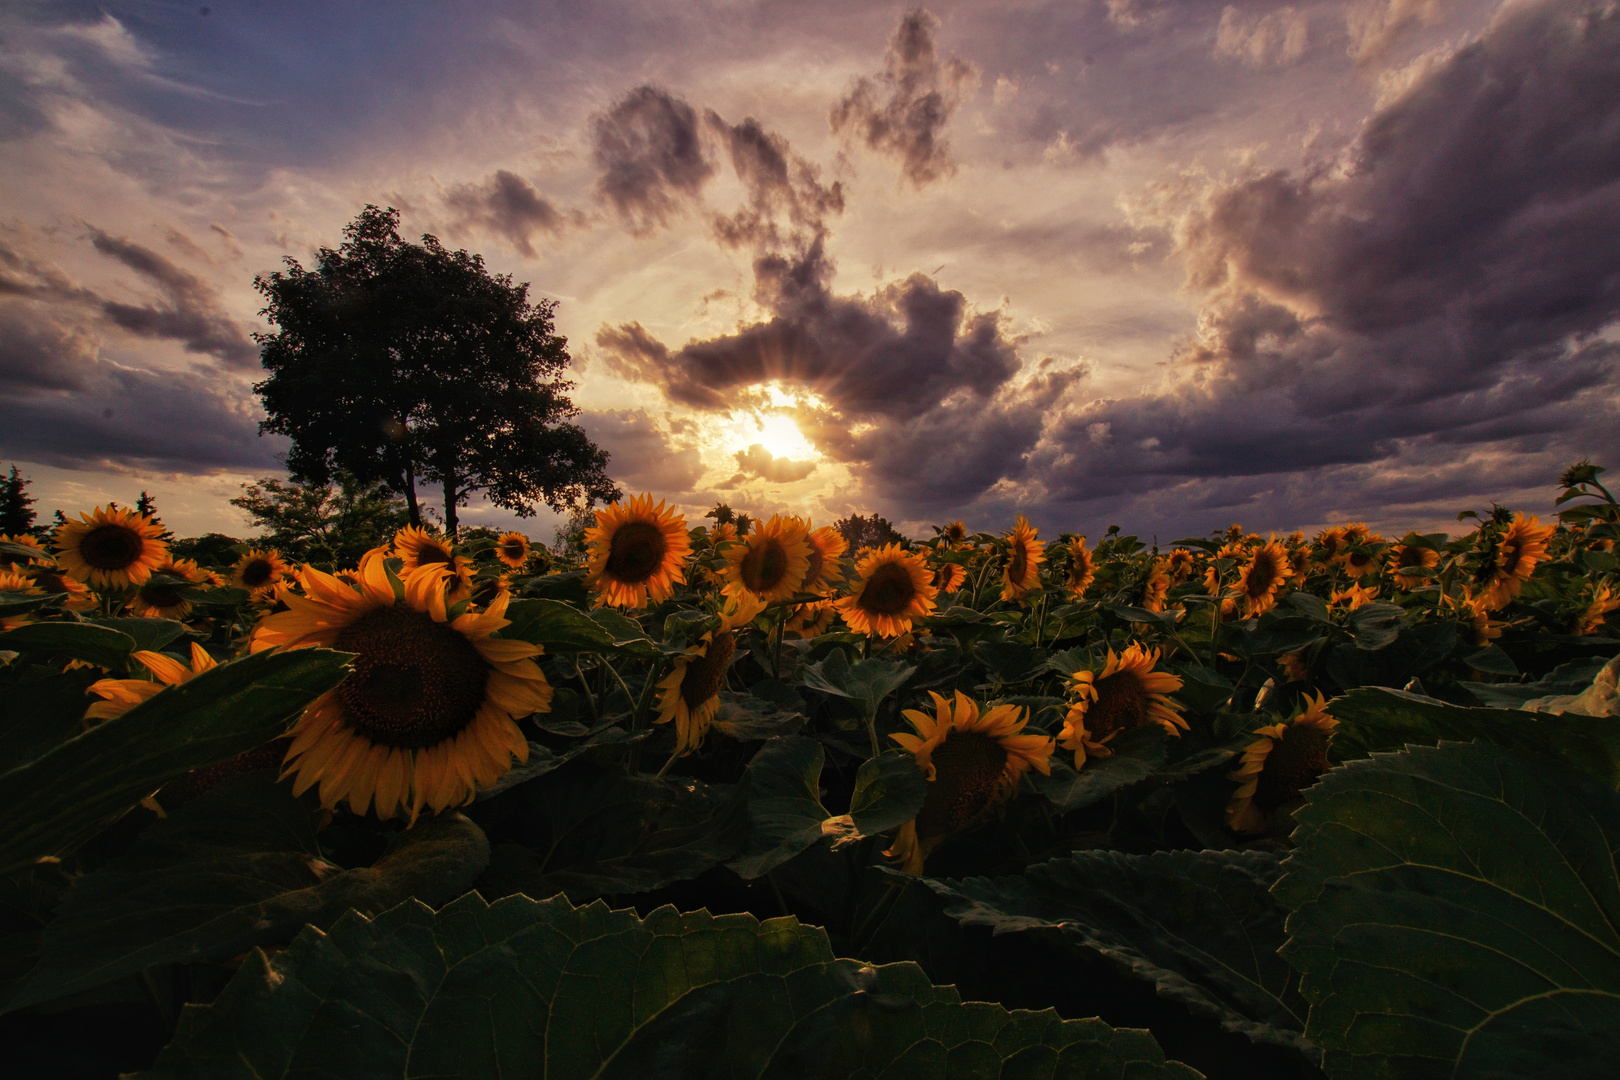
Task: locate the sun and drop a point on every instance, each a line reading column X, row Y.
column 781, row 436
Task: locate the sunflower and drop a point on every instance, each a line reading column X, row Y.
column 512, row 549
column 723, row 533
column 1472, row 610
column 827, row 546
column 949, row 577
column 772, row 561
column 110, row 548
column 53, row 581
column 1603, row 602
column 1353, row 597
column 955, row 534
column 1259, row 581
column 809, row 620
column 26, row 540
column 15, row 581
column 1156, row 586
column 1412, row 557
column 421, row 552
column 691, row 692
column 1293, row 665
column 259, row 572
column 1082, row 568
column 1127, row 694
column 1360, row 561
column 636, row 552
column 1024, row 557
column 894, row 588
column 1181, row 564
column 121, row 695
column 1284, row 760
column 163, row 599
column 1517, row 553
column 428, row 715
column 1329, row 544
column 971, row 761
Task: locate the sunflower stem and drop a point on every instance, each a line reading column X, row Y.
column 880, row 911
column 628, row 696
column 776, row 654
column 659, row 775
column 590, row 698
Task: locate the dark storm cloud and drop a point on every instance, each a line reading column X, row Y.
column 756, row 461
column 190, row 311
column 903, row 112
column 899, row 352
column 643, row 456
column 785, row 195
column 1445, row 289
column 651, row 153
column 40, row 351
column 509, row 206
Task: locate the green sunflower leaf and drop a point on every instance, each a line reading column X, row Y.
column 1454, row 914
column 42, row 710
column 865, row 681
column 99, row 645
column 1375, row 718
column 889, row 791
column 1136, row 756
column 540, row 988
column 152, row 635
column 236, row 867
column 57, row 801
column 20, row 603
column 785, row 814
column 1200, row 925
column 557, row 626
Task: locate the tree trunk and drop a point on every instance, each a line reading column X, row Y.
column 410, row 494
column 451, row 496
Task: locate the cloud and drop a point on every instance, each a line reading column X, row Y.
column 1448, row 286
column 902, row 113
column 642, row 455
column 508, row 206
column 1275, row 39
column 1375, row 26
column 39, row 351
column 190, row 311
column 760, row 462
column 783, row 188
column 650, row 150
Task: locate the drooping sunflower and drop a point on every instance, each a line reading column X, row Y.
column 636, row 553
column 1022, row 574
column 1412, row 557
column 1603, row 601
column 1259, row 581
column 420, row 552
column 110, row 548
column 157, row 599
column 893, row 589
column 1293, row 665
column 809, row 620
column 827, row 546
column 1156, row 586
column 1517, row 553
column 1126, row 694
column 1285, row 759
column 260, row 571
column 690, row 694
column 121, row 695
column 512, row 549
column 971, row 761
column 949, row 577
column 772, row 561
column 428, row 716
column 1082, row 568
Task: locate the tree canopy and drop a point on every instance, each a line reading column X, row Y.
column 327, row 523
column 409, row 363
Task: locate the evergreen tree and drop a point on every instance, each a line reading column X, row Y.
column 16, row 505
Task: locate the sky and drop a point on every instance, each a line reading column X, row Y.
column 1168, row 264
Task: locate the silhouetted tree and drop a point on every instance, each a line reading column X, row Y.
column 328, row 523
column 874, row 531
column 16, row 505
column 407, row 363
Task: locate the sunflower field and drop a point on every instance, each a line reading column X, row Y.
column 729, row 799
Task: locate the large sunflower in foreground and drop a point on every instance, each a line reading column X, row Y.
column 512, row 549
column 893, row 589
column 259, row 571
column 428, row 716
column 1259, row 581
column 1082, row 568
column 420, row 552
column 972, row 761
column 771, row 561
column 636, row 551
column 690, row 694
column 1022, row 574
column 159, row 599
column 1517, row 553
column 110, row 548
column 1284, row 760
column 1412, row 557
column 1126, row 694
